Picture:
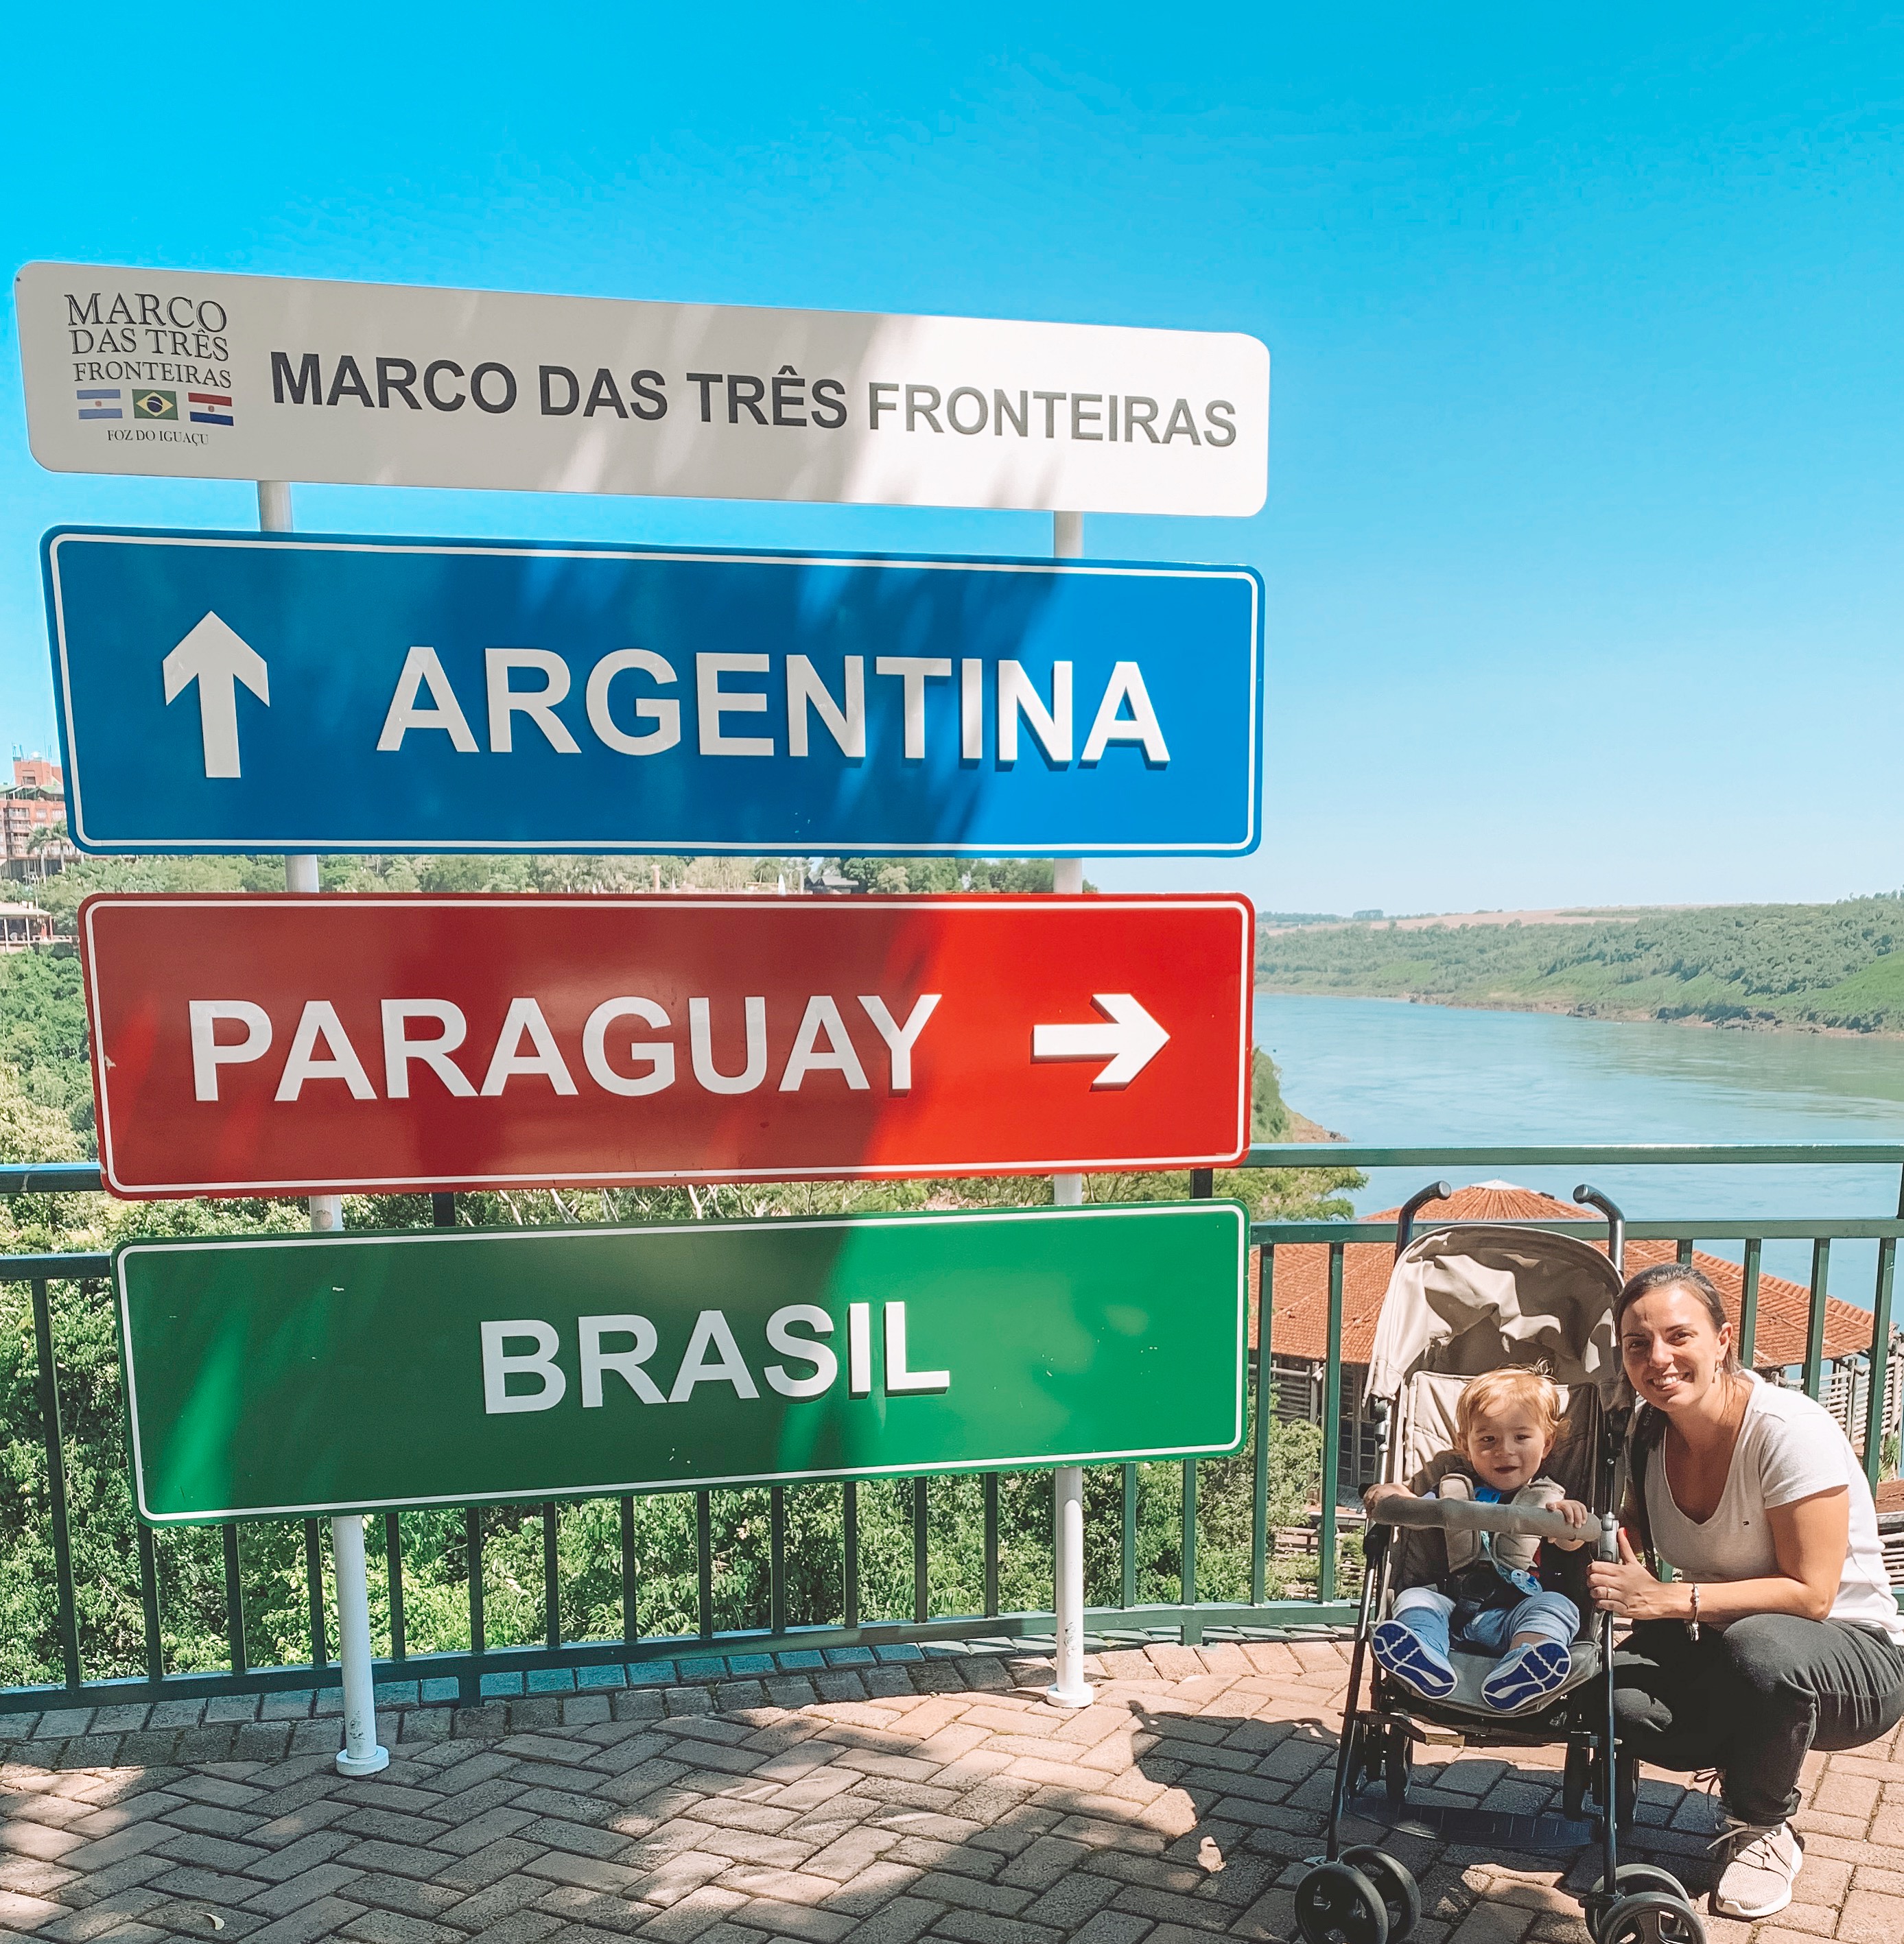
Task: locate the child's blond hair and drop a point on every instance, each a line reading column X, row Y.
column 1494, row 1391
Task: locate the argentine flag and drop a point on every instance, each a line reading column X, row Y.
column 100, row 401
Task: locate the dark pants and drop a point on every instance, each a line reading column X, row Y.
column 1750, row 1701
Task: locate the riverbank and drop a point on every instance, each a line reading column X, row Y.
column 1496, row 1002
column 1836, row 968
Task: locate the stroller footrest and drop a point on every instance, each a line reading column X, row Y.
column 1437, row 1822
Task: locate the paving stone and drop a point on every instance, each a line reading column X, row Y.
column 315, row 1920
column 61, row 1723
column 389, row 1927
column 305, row 1886
column 176, row 1714
column 120, row 1721
column 849, row 1797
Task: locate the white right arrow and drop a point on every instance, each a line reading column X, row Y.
column 217, row 659
column 1130, row 1042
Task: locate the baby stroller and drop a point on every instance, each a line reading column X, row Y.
column 1462, row 1299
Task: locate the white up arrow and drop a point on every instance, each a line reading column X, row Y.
column 1131, row 1041
column 217, row 659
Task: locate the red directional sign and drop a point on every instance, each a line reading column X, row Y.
column 267, row 1045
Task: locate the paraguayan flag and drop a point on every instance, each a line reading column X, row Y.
column 100, row 401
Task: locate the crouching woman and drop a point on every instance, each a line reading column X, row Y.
column 1779, row 1633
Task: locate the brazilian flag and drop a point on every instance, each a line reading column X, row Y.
column 155, row 404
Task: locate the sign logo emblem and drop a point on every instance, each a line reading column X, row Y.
column 209, row 408
column 100, row 401
column 155, row 404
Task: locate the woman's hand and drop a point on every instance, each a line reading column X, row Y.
column 1624, row 1588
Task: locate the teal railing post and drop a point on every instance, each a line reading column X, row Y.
column 551, row 1584
column 849, row 1553
column 1748, row 1304
column 1332, row 1429
column 922, row 1597
column 393, row 1578
column 473, row 1550
column 1877, row 1398
column 235, row 1602
column 703, row 1547
column 777, row 1559
column 54, row 1440
column 631, row 1575
column 1193, row 1631
column 1821, row 1262
column 1265, row 1412
column 148, row 1600
column 314, row 1593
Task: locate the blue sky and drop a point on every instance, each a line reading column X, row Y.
column 1583, row 540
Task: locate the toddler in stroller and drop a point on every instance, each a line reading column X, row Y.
column 1499, row 1594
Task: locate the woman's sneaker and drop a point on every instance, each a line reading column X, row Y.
column 1759, row 1868
column 1412, row 1662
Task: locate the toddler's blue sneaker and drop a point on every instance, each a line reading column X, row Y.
column 1523, row 1677
column 1412, row 1662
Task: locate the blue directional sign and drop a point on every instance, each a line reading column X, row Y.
column 281, row 692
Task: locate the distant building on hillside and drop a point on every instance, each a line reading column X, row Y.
column 33, row 819
column 23, row 927
column 1299, row 1332
column 38, row 772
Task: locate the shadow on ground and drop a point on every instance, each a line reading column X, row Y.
column 944, row 1801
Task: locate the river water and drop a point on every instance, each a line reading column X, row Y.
column 1386, row 1072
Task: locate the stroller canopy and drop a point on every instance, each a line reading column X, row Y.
column 1471, row 1298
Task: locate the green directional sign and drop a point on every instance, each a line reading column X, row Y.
column 307, row 1373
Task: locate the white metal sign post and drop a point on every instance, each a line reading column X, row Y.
column 1068, row 1688
column 361, row 1754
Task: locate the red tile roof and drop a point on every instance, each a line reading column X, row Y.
column 1299, row 1317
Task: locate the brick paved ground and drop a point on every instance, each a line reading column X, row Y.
column 938, row 1801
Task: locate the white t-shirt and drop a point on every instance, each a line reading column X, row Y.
column 1789, row 1448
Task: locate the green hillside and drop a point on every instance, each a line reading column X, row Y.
column 1806, row 966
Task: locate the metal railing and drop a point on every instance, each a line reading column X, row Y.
column 486, row 1668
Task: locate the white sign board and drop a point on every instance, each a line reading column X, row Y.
column 192, row 376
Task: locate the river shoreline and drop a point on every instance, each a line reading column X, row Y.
column 1560, row 1009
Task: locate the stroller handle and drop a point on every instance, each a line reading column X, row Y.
column 1464, row 1516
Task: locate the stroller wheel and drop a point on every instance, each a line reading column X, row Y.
column 1336, row 1904
column 1651, row 1917
column 1398, row 1764
column 1631, row 1878
column 1394, row 1883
